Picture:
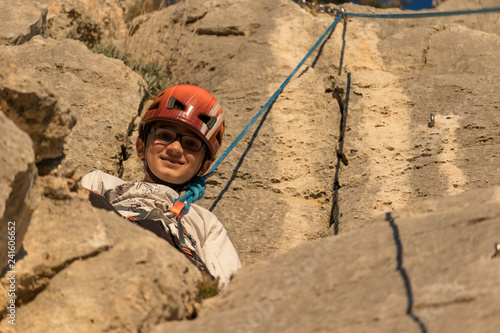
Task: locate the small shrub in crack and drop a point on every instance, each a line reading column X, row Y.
column 207, row 288
column 154, row 76
column 109, row 51
column 152, row 73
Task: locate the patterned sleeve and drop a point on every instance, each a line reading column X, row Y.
column 99, row 182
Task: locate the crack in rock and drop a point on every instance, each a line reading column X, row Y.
column 42, row 276
column 125, row 151
column 457, row 300
column 427, row 40
column 220, row 31
column 36, row 29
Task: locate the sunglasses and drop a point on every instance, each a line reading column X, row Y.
column 167, row 136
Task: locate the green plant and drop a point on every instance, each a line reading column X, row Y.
column 109, row 51
column 155, row 76
column 207, row 288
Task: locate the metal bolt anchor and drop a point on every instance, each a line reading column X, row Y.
column 344, row 14
column 432, row 120
column 497, row 250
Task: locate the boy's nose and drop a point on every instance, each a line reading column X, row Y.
column 176, row 145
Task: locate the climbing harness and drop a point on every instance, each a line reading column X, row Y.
column 149, row 220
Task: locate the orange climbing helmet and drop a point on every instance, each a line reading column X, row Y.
column 193, row 107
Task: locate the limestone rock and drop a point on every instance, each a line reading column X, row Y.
column 483, row 22
column 133, row 168
column 401, row 72
column 19, row 193
column 91, row 270
column 29, row 101
column 91, row 22
column 101, row 93
column 285, row 180
column 429, row 269
column 21, row 20
column 135, row 8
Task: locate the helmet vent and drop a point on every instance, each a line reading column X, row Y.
column 154, row 106
column 173, row 103
column 219, row 138
column 208, row 120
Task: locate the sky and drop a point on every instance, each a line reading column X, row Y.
column 418, row 4
column 413, row 5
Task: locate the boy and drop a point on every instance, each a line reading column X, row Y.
column 179, row 137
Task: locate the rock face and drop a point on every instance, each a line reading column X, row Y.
column 93, row 270
column 91, row 22
column 68, row 81
column 486, row 22
column 20, row 21
column 347, row 141
column 401, row 72
column 427, row 269
column 19, row 194
column 32, row 106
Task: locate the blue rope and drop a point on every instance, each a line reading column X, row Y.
column 274, row 96
column 423, row 15
column 195, row 192
column 197, row 187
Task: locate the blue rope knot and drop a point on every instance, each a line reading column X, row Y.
column 196, row 191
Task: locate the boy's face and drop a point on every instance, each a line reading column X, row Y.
column 170, row 162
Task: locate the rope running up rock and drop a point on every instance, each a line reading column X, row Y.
column 197, row 189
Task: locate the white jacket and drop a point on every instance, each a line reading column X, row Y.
column 213, row 244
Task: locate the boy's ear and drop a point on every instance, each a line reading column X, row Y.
column 139, row 147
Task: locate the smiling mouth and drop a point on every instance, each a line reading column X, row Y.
column 171, row 160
